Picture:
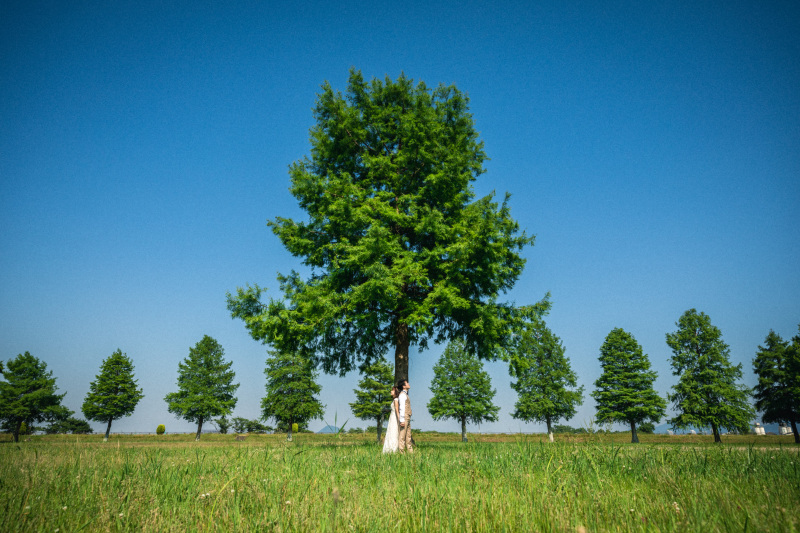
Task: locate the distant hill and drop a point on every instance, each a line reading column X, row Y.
column 329, row 429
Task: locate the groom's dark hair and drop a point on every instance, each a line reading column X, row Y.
column 400, row 384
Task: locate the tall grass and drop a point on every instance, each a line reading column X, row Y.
column 312, row 484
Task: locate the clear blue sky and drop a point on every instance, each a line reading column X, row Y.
column 652, row 148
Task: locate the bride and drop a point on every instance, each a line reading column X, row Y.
column 391, row 443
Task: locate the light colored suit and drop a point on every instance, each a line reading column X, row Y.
column 405, row 431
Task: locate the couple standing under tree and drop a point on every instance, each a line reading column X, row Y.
column 398, row 434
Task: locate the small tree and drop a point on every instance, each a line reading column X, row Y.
column 114, row 393
column 777, row 394
column 291, row 386
column 707, row 392
column 28, row 395
column 239, row 424
column 243, row 425
column 461, row 389
column 625, row 389
column 70, row 425
column 648, row 428
column 223, row 424
column 374, row 394
column 546, row 385
column 205, row 385
column 160, row 429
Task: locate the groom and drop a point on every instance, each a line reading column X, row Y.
column 405, row 417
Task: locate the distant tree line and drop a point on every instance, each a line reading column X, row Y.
column 708, row 394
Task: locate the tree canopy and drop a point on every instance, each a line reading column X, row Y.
column 399, row 250
column 114, row 392
column 70, row 424
column 374, row 394
column 291, row 389
column 777, row 394
column 624, row 390
column 461, row 389
column 707, row 392
column 205, row 385
column 546, row 384
column 28, row 395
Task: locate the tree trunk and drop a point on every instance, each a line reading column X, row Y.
column 379, row 420
column 402, row 342
column 634, row 436
column 289, row 435
column 463, row 429
column 549, row 429
column 108, row 430
column 715, row 429
column 794, row 430
column 17, row 427
column 199, row 427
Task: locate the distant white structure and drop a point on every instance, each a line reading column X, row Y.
column 759, row 429
column 784, row 430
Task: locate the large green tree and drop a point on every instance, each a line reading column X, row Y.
column 114, row 392
column 777, row 394
column 28, row 395
column 374, row 394
column 707, row 393
column 399, row 250
column 624, row 390
column 205, row 385
column 291, row 389
column 546, row 384
column 461, row 388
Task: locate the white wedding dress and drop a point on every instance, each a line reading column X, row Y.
column 391, row 443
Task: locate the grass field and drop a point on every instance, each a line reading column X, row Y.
column 325, row 483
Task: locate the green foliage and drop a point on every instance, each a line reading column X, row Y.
column 28, row 395
column 295, row 429
column 461, row 390
column 160, row 429
column 563, row 428
column 374, row 394
column 290, row 390
column 546, row 384
column 401, row 252
column 240, row 424
column 223, row 424
column 707, row 392
column 648, row 428
column 205, row 385
column 72, row 425
column 777, row 393
column 625, row 388
column 284, row 427
column 243, row 425
column 114, row 393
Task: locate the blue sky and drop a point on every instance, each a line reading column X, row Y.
column 652, row 148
